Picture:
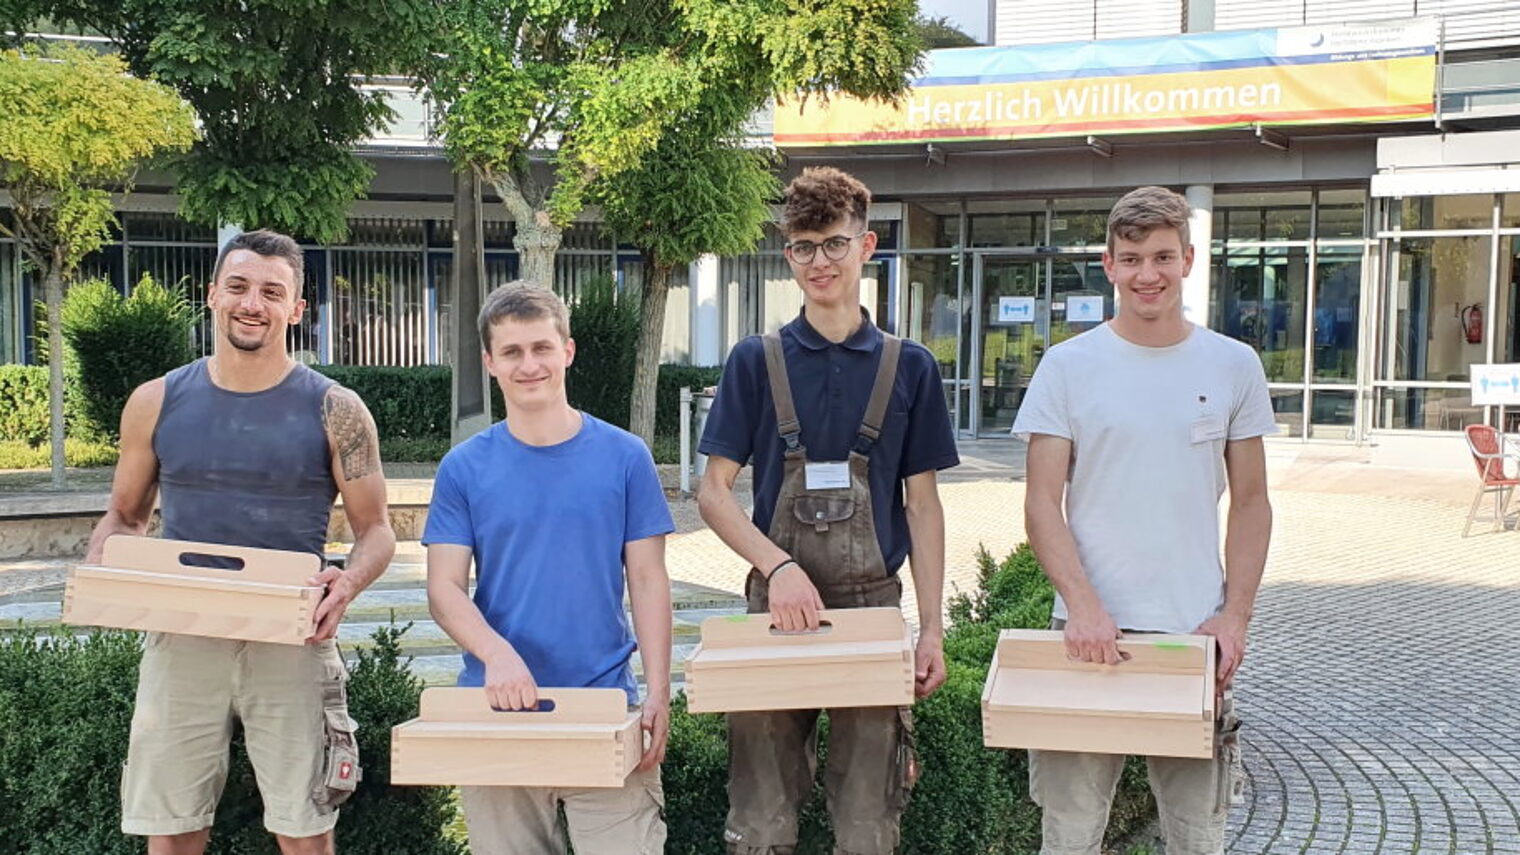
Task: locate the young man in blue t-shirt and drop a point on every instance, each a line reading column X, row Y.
column 845, row 425
column 555, row 507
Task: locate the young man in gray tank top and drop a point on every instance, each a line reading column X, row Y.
column 247, row 448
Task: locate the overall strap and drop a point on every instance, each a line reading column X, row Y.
column 881, row 393
column 781, row 393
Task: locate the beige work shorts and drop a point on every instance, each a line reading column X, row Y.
column 189, row 692
column 627, row 820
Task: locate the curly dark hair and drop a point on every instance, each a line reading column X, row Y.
column 822, row 196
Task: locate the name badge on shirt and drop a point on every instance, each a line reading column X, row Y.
column 828, row 476
column 1207, row 428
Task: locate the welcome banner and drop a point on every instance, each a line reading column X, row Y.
column 1368, row 72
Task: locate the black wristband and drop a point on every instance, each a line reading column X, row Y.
column 778, row 568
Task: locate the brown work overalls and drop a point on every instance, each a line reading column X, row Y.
column 773, row 755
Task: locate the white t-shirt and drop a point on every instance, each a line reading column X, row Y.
column 1148, row 427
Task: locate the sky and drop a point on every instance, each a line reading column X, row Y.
column 969, row 15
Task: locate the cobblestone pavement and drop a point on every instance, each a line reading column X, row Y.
column 1381, row 694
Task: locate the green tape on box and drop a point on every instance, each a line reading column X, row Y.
column 737, row 618
column 1173, row 645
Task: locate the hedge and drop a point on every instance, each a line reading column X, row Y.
column 968, row 799
column 59, row 768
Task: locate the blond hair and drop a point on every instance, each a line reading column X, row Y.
column 1145, row 209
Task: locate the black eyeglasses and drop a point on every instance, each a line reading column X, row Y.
column 834, row 249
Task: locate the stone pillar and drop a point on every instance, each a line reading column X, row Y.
column 471, row 398
column 1195, row 288
column 706, row 317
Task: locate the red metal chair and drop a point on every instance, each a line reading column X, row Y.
column 1489, row 457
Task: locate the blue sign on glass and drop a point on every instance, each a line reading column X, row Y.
column 1015, row 310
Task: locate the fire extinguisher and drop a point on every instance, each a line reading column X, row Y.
column 1472, row 323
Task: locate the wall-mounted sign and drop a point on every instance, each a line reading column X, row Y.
column 1084, row 309
column 1334, row 73
column 1015, row 310
column 1495, row 384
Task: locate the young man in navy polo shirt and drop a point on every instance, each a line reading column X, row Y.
column 556, row 508
column 840, row 422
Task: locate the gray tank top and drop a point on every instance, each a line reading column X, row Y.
column 245, row 468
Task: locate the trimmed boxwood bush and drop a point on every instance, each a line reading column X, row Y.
column 117, row 343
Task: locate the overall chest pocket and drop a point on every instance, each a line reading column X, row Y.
column 821, row 512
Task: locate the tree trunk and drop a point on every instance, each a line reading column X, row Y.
column 537, row 241
column 646, row 361
column 53, row 289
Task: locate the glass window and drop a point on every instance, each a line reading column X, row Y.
column 1508, row 346
column 379, row 307
column 1261, row 302
column 1019, row 222
column 10, row 298
column 1509, row 217
column 1337, row 303
column 933, row 225
column 934, row 315
column 165, row 227
column 1288, row 406
column 1332, row 413
column 1275, row 216
column 1447, row 212
column 1436, row 308
column 1341, row 214
column 1426, row 409
column 386, row 232
column 886, row 235
column 1081, row 222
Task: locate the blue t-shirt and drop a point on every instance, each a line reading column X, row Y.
column 547, row 525
column 831, row 385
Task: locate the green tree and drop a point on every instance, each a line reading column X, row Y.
column 277, row 86
column 592, row 86
column 700, row 191
column 76, row 129
column 941, row 32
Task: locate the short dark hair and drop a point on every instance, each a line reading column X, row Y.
column 521, row 301
column 1145, row 209
column 268, row 244
column 822, row 196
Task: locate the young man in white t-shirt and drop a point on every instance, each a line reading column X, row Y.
column 1135, row 428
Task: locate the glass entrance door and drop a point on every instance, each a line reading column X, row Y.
column 1012, row 319
column 1026, row 303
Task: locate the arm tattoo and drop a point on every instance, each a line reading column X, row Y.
column 349, row 427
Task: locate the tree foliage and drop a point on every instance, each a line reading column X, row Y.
column 701, row 190
column 277, row 86
column 941, row 32
column 601, row 83
column 76, row 128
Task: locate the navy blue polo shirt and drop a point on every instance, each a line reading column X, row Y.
column 831, row 385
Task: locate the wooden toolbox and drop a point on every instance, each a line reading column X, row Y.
column 1159, row 702
column 858, row 658
column 589, row 738
column 144, row 583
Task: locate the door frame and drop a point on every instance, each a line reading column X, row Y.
column 971, row 375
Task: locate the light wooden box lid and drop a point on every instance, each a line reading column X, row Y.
column 273, row 572
column 453, row 712
column 1165, row 677
column 847, row 635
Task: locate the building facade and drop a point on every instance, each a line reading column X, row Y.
column 1369, row 255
